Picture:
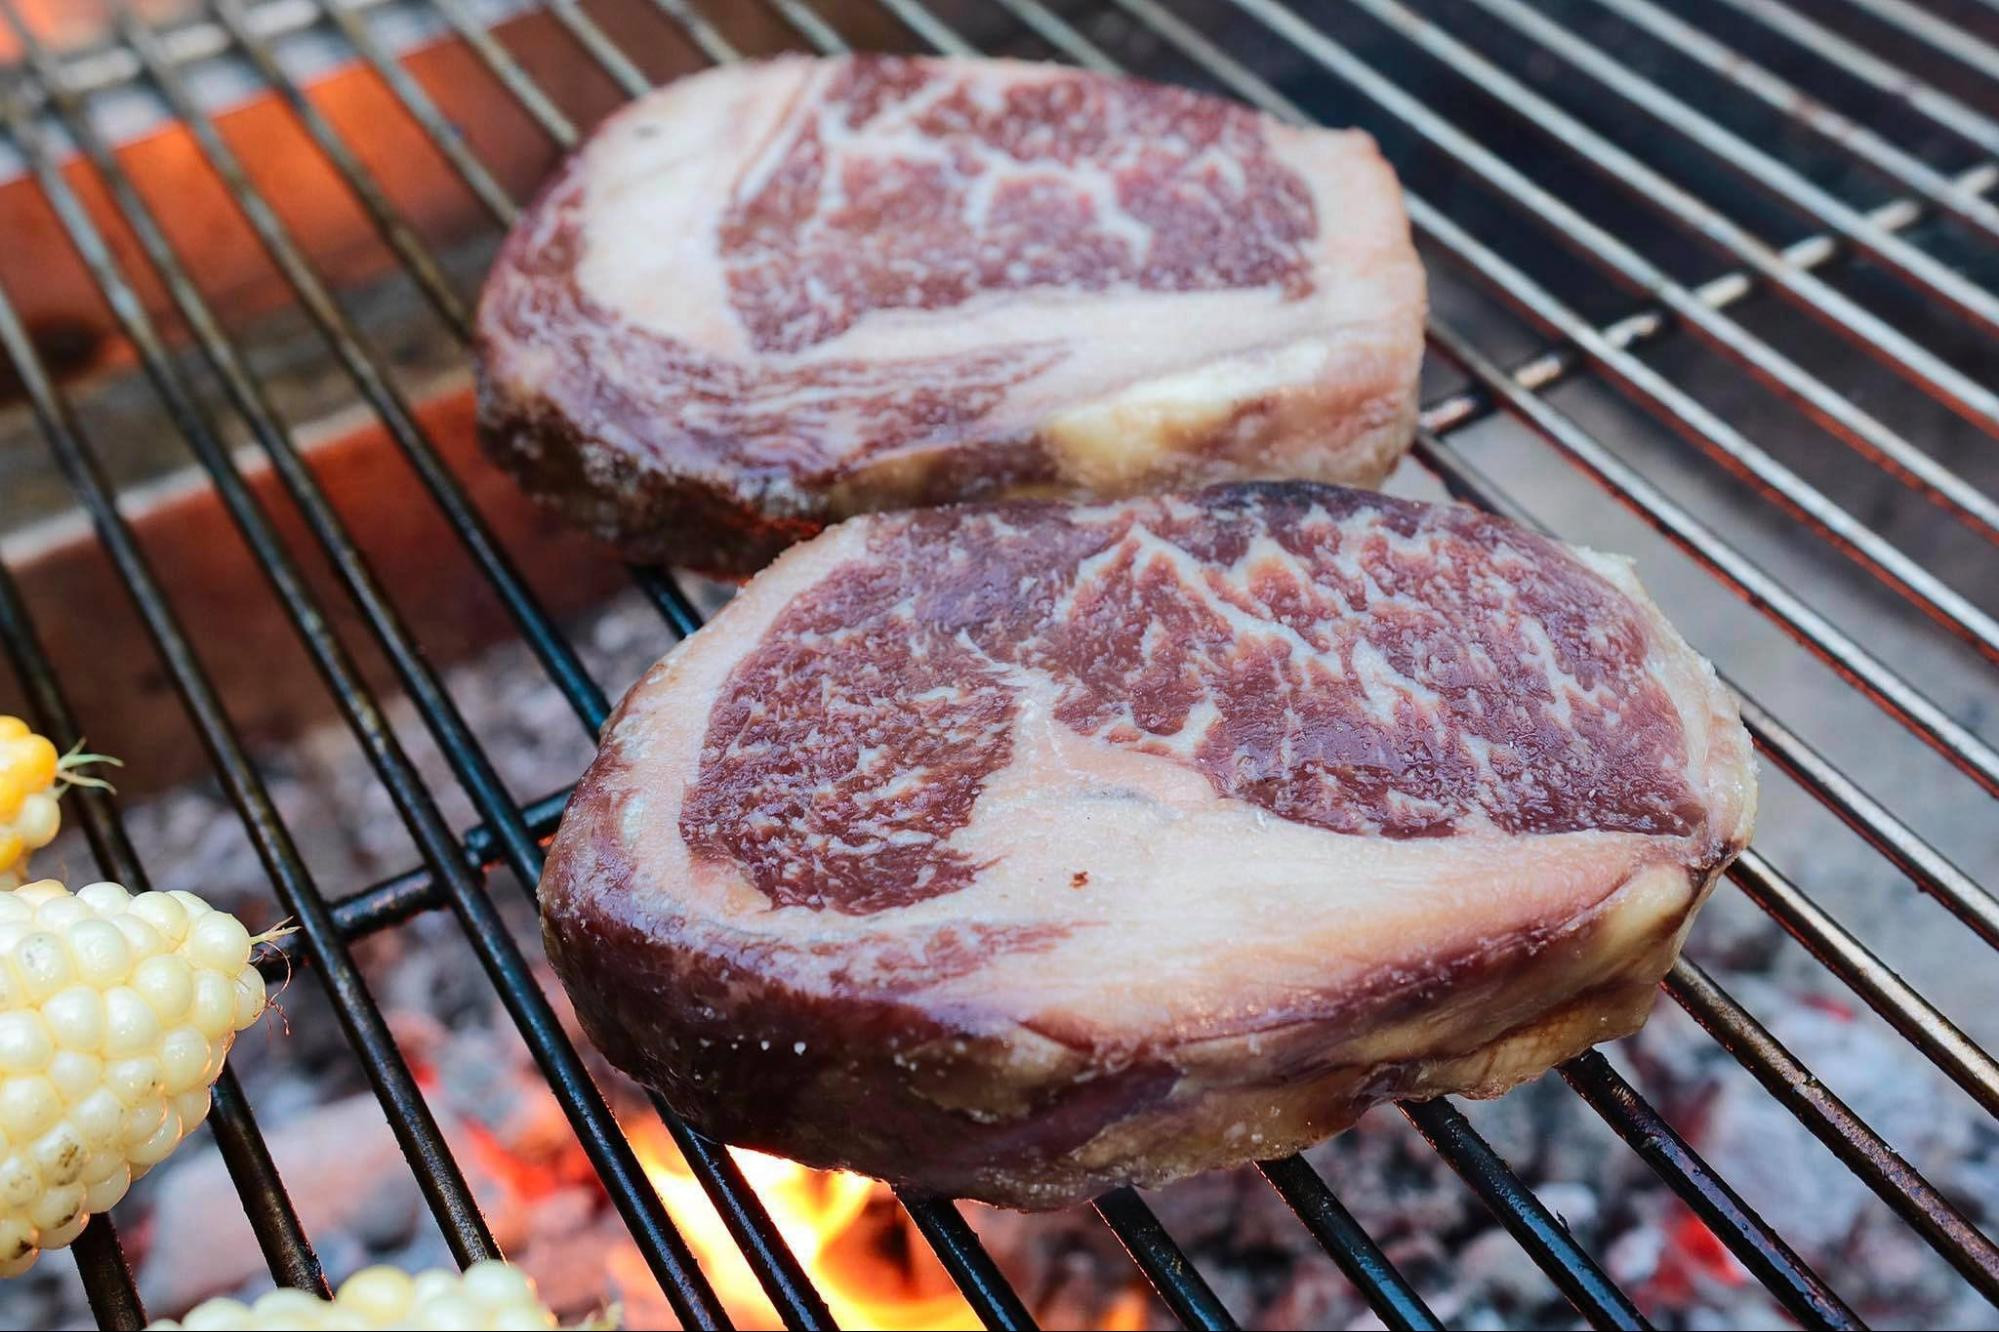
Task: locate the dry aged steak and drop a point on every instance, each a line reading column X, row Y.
column 1016, row 851
column 776, row 294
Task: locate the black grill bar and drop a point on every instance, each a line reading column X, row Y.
column 273, row 1219
column 1818, row 400
column 1388, row 1292
column 1919, row 1022
column 1912, row 173
column 1851, row 58
column 107, row 1277
column 396, row 233
column 1914, row 266
column 600, row 48
column 1941, row 36
column 1862, row 1149
column 979, row 1279
column 1761, row 1249
column 1514, row 1206
column 1166, row 1266
column 442, row 1183
column 556, row 656
column 1899, row 844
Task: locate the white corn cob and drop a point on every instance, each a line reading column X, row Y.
column 485, row 1295
column 116, row 1012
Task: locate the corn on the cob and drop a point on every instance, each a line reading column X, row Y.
column 32, row 777
column 484, row 1295
column 116, row 1012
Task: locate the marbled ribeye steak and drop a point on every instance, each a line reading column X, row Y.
column 1015, row 851
column 776, row 294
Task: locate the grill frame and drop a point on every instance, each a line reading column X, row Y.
column 453, row 875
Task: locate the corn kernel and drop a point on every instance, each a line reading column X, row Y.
column 75, row 1074
column 219, row 942
column 25, row 1046
column 114, row 1021
column 485, row 1295
column 129, row 1025
column 166, row 982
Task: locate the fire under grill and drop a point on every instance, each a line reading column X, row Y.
column 1626, row 207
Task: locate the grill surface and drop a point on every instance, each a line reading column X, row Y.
column 1882, row 224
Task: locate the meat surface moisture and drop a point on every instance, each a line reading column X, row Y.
column 776, row 294
column 1017, row 851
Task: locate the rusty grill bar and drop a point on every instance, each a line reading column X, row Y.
column 46, row 90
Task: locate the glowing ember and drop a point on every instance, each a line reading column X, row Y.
column 846, row 1231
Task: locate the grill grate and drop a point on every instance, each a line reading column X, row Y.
column 453, row 873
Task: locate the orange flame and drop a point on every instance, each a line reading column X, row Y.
column 835, row 1223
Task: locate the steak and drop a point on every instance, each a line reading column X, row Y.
column 776, row 294
column 1016, row 851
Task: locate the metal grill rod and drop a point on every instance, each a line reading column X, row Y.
column 1858, row 1146
column 1044, row 23
column 1698, row 424
column 442, row 1183
column 1388, row 1292
column 1935, row 33
column 1773, row 91
column 818, row 33
column 1720, row 1208
column 1760, row 168
column 1974, row 401
column 1898, row 1002
column 1169, row 1269
column 494, row 58
column 957, row 1246
column 1851, row 58
column 585, row 32
column 394, row 230
column 1898, row 843
column 1557, row 363
column 185, row 43
column 697, row 27
column 557, row 658
column 928, row 27
column 1514, row 1206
